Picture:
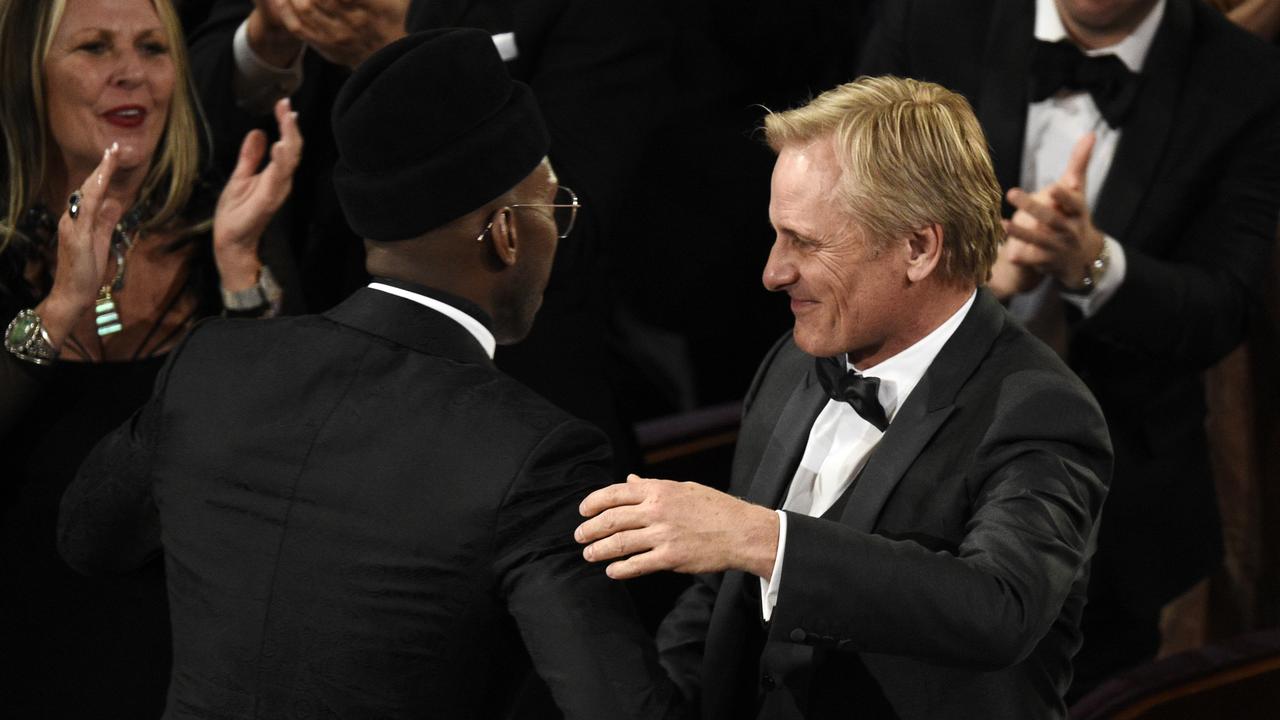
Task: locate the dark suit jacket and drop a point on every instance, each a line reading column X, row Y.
column 1192, row 194
column 951, row 584
column 362, row 518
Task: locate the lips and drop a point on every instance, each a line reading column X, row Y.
column 126, row 116
column 799, row 305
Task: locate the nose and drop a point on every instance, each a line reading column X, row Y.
column 128, row 72
column 780, row 269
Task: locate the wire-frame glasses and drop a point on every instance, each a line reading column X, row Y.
column 564, row 212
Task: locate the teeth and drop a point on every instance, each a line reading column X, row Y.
column 128, row 113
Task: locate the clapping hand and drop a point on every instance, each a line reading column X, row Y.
column 1052, row 231
column 252, row 197
column 344, row 32
column 84, row 247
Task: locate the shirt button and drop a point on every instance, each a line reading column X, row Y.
column 798, row 635
column 767, row 682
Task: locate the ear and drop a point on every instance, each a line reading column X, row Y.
column 502, row 236
column 924, row 252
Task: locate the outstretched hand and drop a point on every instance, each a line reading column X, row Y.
column 252, row 197
column 645, row 526
column 1052, row 230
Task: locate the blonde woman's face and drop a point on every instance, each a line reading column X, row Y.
column 109, row 77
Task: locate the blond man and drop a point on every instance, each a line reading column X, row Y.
column 917, row 480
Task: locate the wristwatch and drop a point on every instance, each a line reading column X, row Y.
column 265, row 293
column 26, row 339
column 1093, row 272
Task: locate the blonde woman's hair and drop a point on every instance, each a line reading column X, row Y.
column 911, row 154
column 27, row 29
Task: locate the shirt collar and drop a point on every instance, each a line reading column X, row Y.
column 473, row 319
column 1132, row 50
column 899, row 374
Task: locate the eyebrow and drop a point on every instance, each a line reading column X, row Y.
column 99, row 31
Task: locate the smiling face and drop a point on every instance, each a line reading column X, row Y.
column 109, row 77
column 847, row 293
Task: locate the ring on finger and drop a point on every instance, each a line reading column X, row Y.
column 73, row 204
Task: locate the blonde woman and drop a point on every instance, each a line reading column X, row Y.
column 107, row 258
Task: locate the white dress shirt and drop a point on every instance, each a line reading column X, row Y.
column 472, row 325
column 840, row 441
column 1053, row 127
column 258, row 84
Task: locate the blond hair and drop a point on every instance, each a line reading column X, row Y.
column 27, row 29
column 911, row 154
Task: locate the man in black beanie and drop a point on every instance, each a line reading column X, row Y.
column 362, row 517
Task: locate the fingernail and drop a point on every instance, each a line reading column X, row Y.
column 293, row 116
column 105, row 153
column 115, row 147
column 586, row 553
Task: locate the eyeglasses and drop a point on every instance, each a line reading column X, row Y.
column 564, row 212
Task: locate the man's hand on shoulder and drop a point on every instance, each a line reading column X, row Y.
column 645, row 526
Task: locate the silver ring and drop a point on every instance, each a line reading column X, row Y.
column 73, row 204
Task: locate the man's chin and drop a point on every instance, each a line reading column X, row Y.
column 812, row 343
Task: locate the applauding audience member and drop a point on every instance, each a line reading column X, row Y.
column 107, row 259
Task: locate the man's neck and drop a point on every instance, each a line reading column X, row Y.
column 935, row 310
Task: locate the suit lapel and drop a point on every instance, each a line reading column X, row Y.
column 776, row 467
column 407, row 323
column 787, row 442
column 1004, row 94
column 1146, row 132
column 926, row 409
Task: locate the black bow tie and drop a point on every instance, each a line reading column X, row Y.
column 860, row 391
column 1059, row 65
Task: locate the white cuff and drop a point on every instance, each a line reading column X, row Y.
column 769, row 588
column 257, row 84
column 1107, row 284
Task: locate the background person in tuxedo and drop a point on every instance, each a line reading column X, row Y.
column 360, row 515
column 939, row 471
column 1169, row 217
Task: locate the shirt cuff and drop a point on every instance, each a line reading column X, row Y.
column 1107, row 284
column 257, row 84
column 769, row 588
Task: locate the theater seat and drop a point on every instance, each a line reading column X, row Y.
column 1239, row 679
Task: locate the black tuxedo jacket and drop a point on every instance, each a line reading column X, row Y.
column 951, row 584
column 362, row 518
column 1192, row 194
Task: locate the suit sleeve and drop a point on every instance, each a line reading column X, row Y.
column 579, row 626
column 108, row 521
column 1191, row 307
column 1037, row 486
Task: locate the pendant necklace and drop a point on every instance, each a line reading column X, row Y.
column 122, row 239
